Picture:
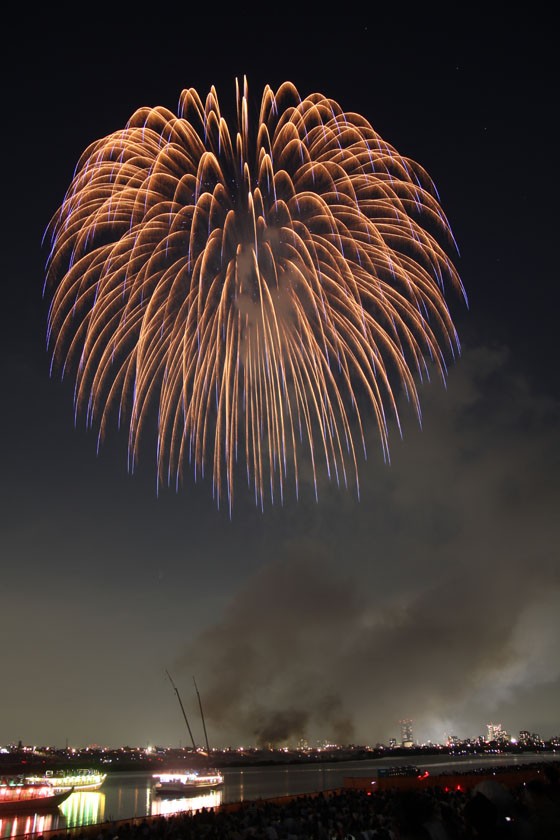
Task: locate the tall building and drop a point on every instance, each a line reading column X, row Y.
column 496, row 732
column 406, row 733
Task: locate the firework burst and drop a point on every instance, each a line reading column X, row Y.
column 256, row 298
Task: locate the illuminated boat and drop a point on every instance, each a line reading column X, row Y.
column 19, row 797
column 186, row 784
column 61, row 780
column 175, row 785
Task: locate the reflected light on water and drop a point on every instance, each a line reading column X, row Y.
column 26, row 824
column 81, row 808
column 162, row 807
column 84, row 808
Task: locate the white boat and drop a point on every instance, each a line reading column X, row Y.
column 181, row 783
column 186, row 784
column 62, row 780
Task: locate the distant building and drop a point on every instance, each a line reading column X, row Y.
column 495, row 732
column 407, row 739
column 531, row 739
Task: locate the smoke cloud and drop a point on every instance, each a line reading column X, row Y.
column 434, row 598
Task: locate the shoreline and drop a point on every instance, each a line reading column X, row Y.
column 177, row 759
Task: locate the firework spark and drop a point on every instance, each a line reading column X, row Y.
column 260, row 297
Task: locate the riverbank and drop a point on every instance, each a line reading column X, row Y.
column 130, row 761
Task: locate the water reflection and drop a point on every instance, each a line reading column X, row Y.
column 84, row 808
column 28, row 824
column 81, row 808
column 160, row 806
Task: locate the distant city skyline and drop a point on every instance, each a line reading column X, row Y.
column 495, row 732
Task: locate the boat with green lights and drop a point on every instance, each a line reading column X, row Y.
column 63, row 780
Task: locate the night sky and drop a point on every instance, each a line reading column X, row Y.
column 434, row 596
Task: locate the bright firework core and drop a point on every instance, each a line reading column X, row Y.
column 267, row 291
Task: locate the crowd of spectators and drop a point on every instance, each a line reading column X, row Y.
column 489, row 811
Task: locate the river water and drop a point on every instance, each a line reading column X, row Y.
column 129, row 795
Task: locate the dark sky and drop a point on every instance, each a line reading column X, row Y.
column 435, row 595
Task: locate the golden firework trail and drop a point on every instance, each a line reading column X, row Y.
column 260, row 295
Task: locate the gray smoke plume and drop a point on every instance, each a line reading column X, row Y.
column 434, row 598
